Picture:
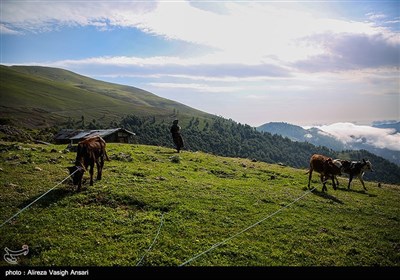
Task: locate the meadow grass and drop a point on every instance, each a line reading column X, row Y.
column 190, row 201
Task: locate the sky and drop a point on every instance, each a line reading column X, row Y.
column 301, row 62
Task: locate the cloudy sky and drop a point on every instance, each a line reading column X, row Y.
column 302, row 62
column 349, row 134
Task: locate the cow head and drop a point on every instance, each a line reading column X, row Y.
column 77, row 174
column 367, row 165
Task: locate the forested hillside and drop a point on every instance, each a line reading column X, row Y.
column 228, row 138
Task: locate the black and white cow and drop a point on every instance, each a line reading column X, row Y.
column 355, row 169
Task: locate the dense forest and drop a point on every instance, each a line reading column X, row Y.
column 227, row 138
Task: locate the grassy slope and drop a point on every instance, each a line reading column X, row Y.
column 205, row 199
column 35, row 96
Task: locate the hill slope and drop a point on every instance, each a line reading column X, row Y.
column 185, row 204
column 33, row 96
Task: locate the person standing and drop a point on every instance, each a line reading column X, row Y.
column 176, row 135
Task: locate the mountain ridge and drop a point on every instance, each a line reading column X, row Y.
column 319, row 137
column 390, row 125
column 62, row 94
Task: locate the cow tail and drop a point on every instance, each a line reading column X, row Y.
column 105, row 153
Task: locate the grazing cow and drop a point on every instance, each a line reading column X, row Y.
column 356, row 168
column 90, row 151
column 325, row 167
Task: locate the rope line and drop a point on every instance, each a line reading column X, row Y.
column 19, row 212
column 246, row 229
column 154, row 241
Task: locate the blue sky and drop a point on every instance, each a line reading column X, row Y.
column 303, row 62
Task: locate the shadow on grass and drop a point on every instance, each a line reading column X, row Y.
column 356, row 191
column 48, row 199
column 167, row 152
column 326, row 196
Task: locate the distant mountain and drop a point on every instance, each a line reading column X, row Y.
column 392, row 125
column 313, row 135
column 318, row 137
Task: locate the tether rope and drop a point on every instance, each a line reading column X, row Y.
column 19, row 212
column 246, row 229
column 154, row 241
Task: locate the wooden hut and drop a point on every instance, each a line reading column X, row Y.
column 114, row 135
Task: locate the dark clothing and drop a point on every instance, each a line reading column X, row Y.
column 176, row 136
column 175, row 128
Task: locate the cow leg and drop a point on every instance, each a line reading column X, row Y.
column 350, row 179
column 322, row 177
column 337, row 181
column 362, row 182
column 91, row 174
column 333, row 182
column 99, row 168
column 309, row 177
column 98, row 171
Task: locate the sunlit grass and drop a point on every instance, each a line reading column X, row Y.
column 203, row 199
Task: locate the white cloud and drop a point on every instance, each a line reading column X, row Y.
column 251, row 31
column 196, row 87
column 205, row 66
column 5, row 30
column 353, row 51
column 38, row 16
column 376, row 16
column 350, row 133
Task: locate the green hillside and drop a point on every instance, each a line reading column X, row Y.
column 37, row 97
column 158, row 208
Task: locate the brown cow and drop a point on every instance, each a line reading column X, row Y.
column 325, row 167
column 90, row 151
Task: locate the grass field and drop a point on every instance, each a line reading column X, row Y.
column 155, row 207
